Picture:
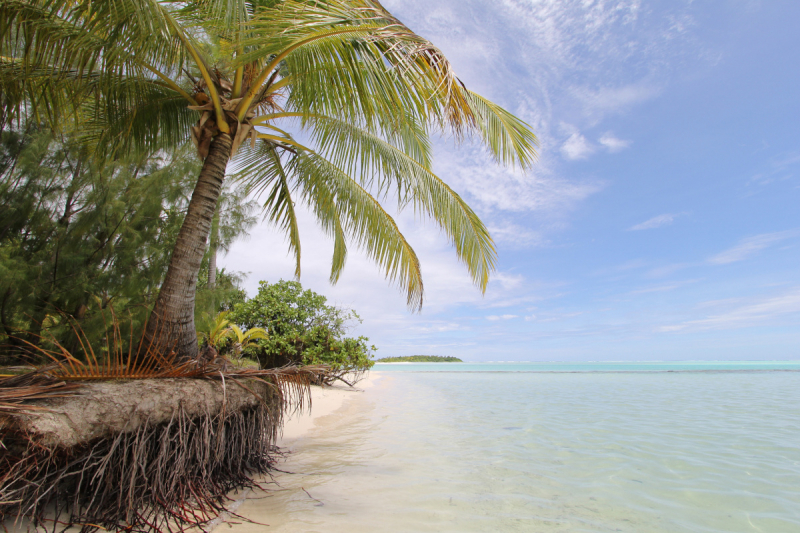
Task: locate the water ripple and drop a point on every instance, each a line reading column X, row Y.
column 591, row 452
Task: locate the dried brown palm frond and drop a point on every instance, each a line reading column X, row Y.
column 120, row 356
column 137, row 359
column 13, row 397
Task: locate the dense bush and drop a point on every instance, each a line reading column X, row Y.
column 302, row 329
column 80, row 235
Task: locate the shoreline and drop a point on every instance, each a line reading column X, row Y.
column 325, row 401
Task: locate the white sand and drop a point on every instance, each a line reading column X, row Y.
column 326, row 402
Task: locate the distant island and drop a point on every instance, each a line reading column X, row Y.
column 420, row 359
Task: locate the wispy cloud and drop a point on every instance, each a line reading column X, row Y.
column 437, row 327
column 750, row 314
column 491, row 188
column 615, row 270
column 750, row 246
column 667, row 270
column 612, row 143
column 605, row 100
column 656, row 222
column 494, row 318
column 779, row 169
column 516, row 236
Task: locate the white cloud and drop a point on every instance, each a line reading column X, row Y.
column 490, row 188
column 508, row 281
column 615, row 270
column 437, row 327
column 577, row 147
column 612, row 143
column 600, row 102
column 656, row 222
column 516, row 236
column 750, row 314
column 779, row 169
column 530, row 318
column 750, row 246
column 494, row 318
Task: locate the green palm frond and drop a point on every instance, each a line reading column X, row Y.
column 335, row 196
column 263, row 172
column 245, row 338
column 355, row 150
column 509, row 139
column 348, row 78
column 138, row 114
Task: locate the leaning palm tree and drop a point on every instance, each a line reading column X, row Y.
column 325, row 102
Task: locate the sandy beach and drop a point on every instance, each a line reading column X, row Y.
column 247, row 513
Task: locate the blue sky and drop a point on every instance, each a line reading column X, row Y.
column 661, row 221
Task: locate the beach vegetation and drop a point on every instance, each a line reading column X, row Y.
column 79, row 234
column 303, row 329
column 228, row 340
column 420, row 359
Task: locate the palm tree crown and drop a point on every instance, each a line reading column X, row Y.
column 360, row 91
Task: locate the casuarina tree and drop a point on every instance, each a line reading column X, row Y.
column 325, row 102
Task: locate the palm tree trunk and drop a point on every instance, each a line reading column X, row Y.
column 212, row 276
column 212, row 253
column 171, row 325
column 212, row 268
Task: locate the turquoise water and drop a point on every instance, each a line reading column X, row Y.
column 553, row 451
column 647, row 366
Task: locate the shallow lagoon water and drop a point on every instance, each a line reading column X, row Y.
column 552, row 451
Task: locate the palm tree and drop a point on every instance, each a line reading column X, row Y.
column 359, row 89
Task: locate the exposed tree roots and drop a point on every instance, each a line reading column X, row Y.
column 165, row 476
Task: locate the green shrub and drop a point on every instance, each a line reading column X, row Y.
column 303, row 330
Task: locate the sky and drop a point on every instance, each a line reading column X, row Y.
column 661, row 220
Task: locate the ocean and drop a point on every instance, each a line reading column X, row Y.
column 589, row 447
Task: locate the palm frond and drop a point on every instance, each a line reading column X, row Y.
column 342, row 205
column 263, row 173
column 508, row 139
column 359, row 152
column 138, row 114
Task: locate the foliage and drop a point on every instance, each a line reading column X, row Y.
column 78, row 234
column 218, row 334
column 302, row 329
column 227, row 339
column 211, row 301
column 420, row 359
